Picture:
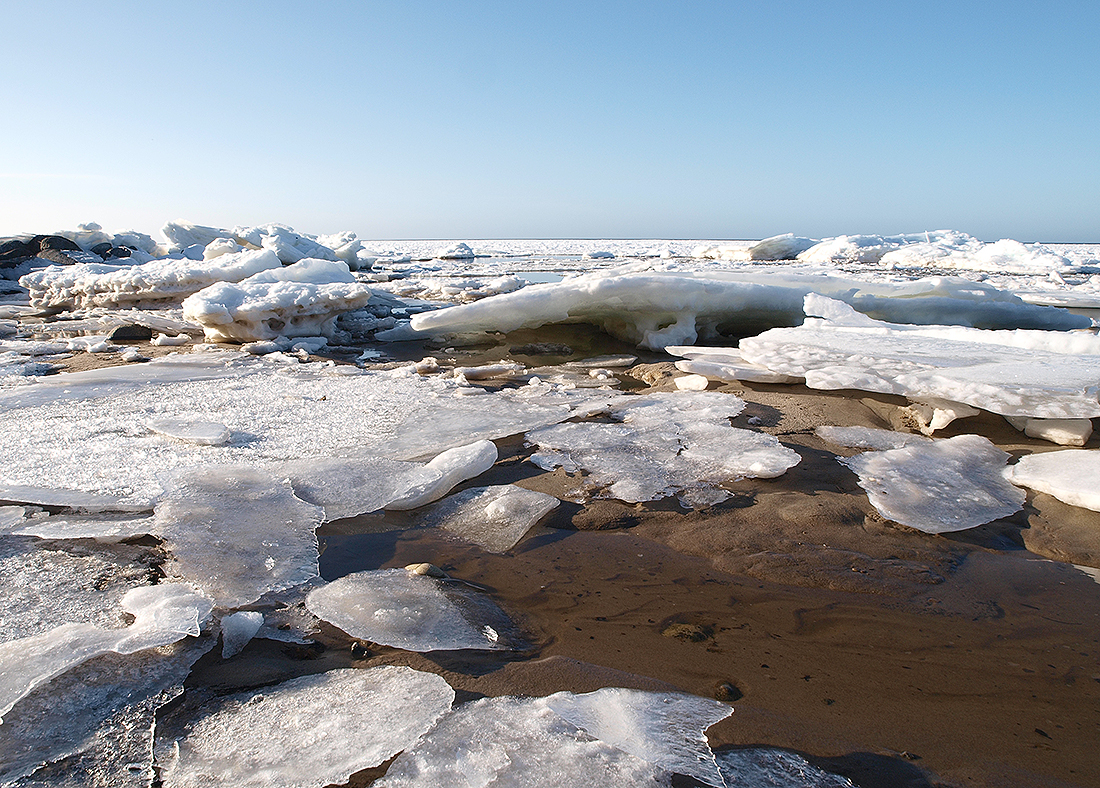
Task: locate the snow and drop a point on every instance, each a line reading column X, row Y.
column 1047, row 374
column 273, row 736
column 665, row 443
column 938, row 487
column 236, row 532
column 447, row 469
column 414, row 612
column 494, row 518
column 1070, row 475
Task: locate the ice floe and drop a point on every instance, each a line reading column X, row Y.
column 308, row 732
column 414, row 612
column 941, row 486
column 725, row 364
column 663, row 444
column 204, row 433
column 1069, row 475
column 494, row 518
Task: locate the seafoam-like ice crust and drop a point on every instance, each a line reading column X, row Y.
column 301, row 300
column 1070, row 475
column 162, row 614
column 237, row 532
column 157, row 282
column 657, row 309
column 308, row 732
column 494, row 518
column 664, row 444
column 410, row 611
column 941, row 486
column 1044, row 374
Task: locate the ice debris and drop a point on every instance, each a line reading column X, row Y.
column 449, row 468
column 1070, row 475
column 946, row 485
column 308, row 732
column 664, row 444
column 414, row 612
column 494, row 518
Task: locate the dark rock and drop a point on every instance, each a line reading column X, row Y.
column 14, row 250
column 101, row 249
column 58, row 242
column 130, row 334
column 55, row 256
column 117, row 253
column 543, row 349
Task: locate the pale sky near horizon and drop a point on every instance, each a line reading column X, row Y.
column 555, row 120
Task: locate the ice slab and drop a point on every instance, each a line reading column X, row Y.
column 1064, row 432
column 104, row 528
column 154, row 283
column 725, row 364
column 494, row 518
column 205, row 433
column 657, row 309
column 393, row 607
column 301, row 300
column 162, row 614
column 308, row 732
column 665, row 443
column 946, row 485
column 346, row 487
column 1069, row 475
column 238, row 629
column 869, row 437
column 237, row 532
column 765, row 767
column 452, row 466
column 1015, row 373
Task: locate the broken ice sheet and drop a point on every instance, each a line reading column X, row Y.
column 515, row 741
column 393, row 607
column 937, row 487
column 453, row 466
column 766, row 767
column 104, row 527
column 308, row 732
column 93, row 724
column 1069, row 475
column 346, row 487
column 868, row 437
column 162, row 614
column 667, row 443
column 494, row 518
column 237, row 532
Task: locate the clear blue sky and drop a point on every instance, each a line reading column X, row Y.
column 560, row 119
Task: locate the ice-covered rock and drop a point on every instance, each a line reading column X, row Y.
column 494, row 518
column 452, row 467
column 1043, row 374
column 946, row 485
column 303, row 299
column 155, row 283
column 1069, row 475
column 204, row 433
column 1064, row 432
column 868, row 437
column 414, row 612
column 237, row 533
column 308, row 732
column 935, row 413
column 162, row 614
column 238, row 629
column 666, row 443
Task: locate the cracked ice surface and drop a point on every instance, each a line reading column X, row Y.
column 494, row 518
column 771, row 768
column 666, row 443
column 84, row 433
column 396, row 608
column 308, row 732
column 946, row 485
column 237, row 532
column 1045, row 374
column 1069, row 475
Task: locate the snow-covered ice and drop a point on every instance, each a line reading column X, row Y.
column 941, row 486
column 308, row 732
column 414, row 612
column 494, row 518
column 1070, row 475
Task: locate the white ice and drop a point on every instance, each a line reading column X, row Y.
column 238, row 629
column 308, row 732
column 868, row 437
column 946, row 485
column 301, row 300
column 778, row 247
column 663, row 444
column 1069, row 475
column 1047, row 374
column 162, row 614
column 725, row 364
column 452, row 466
column 237, row 532
column 773, row 768
column 969, row 253
column 204, row 433
column 494, row 518
column 1064, row 432
column 413, row 612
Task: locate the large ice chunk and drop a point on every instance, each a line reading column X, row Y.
column 937, row 487
column 307, row 732
column 237, row 532
column 494, row 518
column 346, row 487
column 1015, row 373
column 410, row 611
column 1069, row 475
column 726, row 364
column 155, row 283
column 665, row 443
column 452, row 466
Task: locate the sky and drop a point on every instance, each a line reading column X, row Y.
column 471, row 120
